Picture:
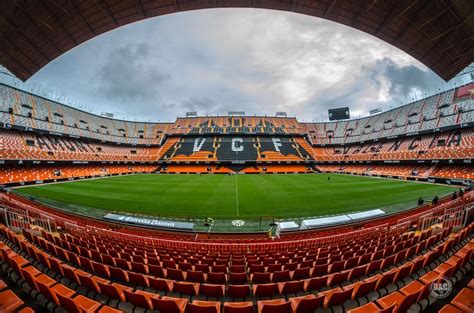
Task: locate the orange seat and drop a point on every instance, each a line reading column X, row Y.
column 169, row 304
column 51, row 292
column 175, row 274
column 274, row 306
column 306, row 304
column 198, row 306
column 33, row 271
column 429, row 277
column 195, row 276
column 161, row 284
column 238, row 291
column 216, row 278
column 337, row 278
column 301, row 273
column 464, row 300
column 336, row 296
column 362, row 288
column 291, row 287
column 118, row 274
column 43, row 278
column 214, row 291
column 108, row 309
column 238, row 307
column 113, row 290
column 140, row 298
column 449, row 308
column 385, row 279
column 138, row 279
column 260, row 278
column 190, row 289
column 471, row 284
column 79, row 304
column 265, row 290
column 70, row 272
column 101, row 269
column 281, row 276
column 315, row 283
column 414, row 286
column 403, row 302
column 91, row 282
column 9, row 301
column 238, row 278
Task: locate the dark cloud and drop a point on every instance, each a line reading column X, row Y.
column 215, row 61
column 126, row 75
column 406, row 79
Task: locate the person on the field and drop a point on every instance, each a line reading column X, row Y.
column 329, row 178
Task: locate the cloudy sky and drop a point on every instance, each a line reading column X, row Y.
column 215, row 61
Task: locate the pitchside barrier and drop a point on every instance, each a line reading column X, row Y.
column 452, row 217
column 455, row 218
column 266, row 246
column 19, row 218
column 451, row 214
column 447, row 220
column 414, row 219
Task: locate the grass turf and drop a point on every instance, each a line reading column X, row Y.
column 238, row 196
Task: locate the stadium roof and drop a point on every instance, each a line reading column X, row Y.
column 439, row 33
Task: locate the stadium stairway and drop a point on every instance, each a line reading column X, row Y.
column 69, row 278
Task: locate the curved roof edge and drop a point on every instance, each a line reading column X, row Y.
column 437, row 33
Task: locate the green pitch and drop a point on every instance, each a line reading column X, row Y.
column 237, row 196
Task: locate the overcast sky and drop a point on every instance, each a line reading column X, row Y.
column 220, row 60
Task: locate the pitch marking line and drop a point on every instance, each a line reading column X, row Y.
column 237, row 194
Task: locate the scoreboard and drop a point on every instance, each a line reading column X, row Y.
column 339, row 114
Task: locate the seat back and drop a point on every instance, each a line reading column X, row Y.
column 68, row 304
column 216, row 278
column 29, row 278
column 86, row 281
column 338, row 297
column 203, row 307
column 165, row 305
column 161, row 284
column 47, row 292
column 215, row 291
column 261, row 278
column 238, row 291
column 118, row 273
column 138, row 279
column 309, row 304
column 189, row 289
column 364, row 288
column 195, row 276
column 110, row 291
column 338, row 278
column 265, row 290
column 276, row 308
column 137, row 299
column 315, row 283
column 385, row 279
column 408, row 301
column 292, row 287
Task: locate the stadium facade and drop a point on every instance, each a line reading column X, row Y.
column 44, row 141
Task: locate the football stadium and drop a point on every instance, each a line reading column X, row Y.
column 235, row 212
